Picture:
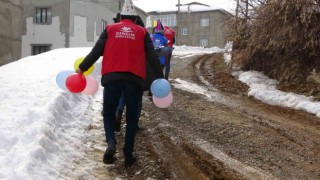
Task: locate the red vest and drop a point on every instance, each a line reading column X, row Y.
column 124, row 49
column 169, row 34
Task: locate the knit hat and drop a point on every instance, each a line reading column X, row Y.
column 128, row 9
column 159, row 27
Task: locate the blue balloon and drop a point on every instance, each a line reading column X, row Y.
column 160, row 88
column 61, row 79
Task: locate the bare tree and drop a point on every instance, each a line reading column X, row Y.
column 272, row 34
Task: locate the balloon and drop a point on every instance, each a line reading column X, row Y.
column 154, row 23
column 160, row 88
column 61, row 79
column 76, row 83
column 78, row 62
column 91, row 87
column 163, row 102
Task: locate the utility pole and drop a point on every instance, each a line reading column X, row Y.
column 178, row 24
column 247, row 9
column 235, row 26
column 120, row 6
column 237, row 8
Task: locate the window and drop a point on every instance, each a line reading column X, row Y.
column 38, row 49
column 43, row 15
column 103, row 25
column 184, row 31
column 203, row 42
column 204, row 22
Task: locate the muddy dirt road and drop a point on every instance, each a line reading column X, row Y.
column 223, row 134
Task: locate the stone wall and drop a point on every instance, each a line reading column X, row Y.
column 11, row 29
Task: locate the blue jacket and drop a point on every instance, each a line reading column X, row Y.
column 159, row 42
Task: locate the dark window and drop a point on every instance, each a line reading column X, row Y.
column 43, row 15
column 38, row 49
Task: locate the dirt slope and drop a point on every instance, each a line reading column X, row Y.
column 224, row 135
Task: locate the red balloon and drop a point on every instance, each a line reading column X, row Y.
column 76, row 82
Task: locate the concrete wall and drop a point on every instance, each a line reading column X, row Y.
column 60, row 8
column 10, row 31
column 112, row 5
column 215, row 32
column 75, row 23
column 85, row 22
column 42, row 34
column 54, row 33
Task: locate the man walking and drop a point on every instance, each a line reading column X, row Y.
column 125, row 48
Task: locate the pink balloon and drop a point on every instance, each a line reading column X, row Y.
column 163, row 102
column 91, row 87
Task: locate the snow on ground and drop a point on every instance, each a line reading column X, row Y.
column 42, row 126
column 264, row 89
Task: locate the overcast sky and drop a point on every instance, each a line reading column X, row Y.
column 153, row 5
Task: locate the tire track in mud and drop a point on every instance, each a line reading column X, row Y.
column 198, row 158
column 203, row 67
column 291, row 136
column 210, row 167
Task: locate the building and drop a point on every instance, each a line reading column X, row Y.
column 51, row 24
column 198, row 26
column 10, row 31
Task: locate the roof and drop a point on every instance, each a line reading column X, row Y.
column 191, row 7
column 192, row 10
column 194, row 3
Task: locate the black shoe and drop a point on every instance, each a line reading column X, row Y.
column 108, row 157
column 117, row 123
column 129, row 160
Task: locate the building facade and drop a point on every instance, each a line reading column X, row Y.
column 52, row 24
column 205, row 28
column 10, row 31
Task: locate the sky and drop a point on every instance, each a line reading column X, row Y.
column 43, row 127
column 165, row 5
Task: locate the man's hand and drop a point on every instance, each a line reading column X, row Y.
column 79, row 71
